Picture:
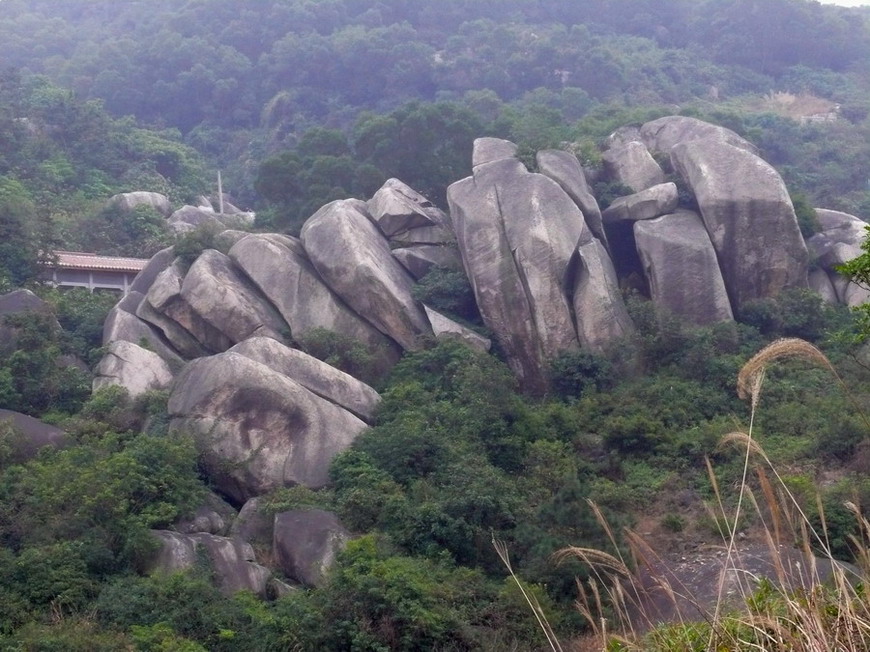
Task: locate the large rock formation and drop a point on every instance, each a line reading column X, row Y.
column 130, row 201
column 749, row 217
column 664, row 134
column 354, row 258
column 258, row 429
column 306, row 544
column 681, row 268
column 135, row 369
column 633, row 166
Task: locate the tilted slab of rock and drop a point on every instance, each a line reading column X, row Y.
column 129, row 201
column 324, row 380
column 487, row 150
column 420, row 260
column 664, row 134
column 475, row 210
column 632, row 165
column 215, row 289
column 644, row 205
column 602, row 318
column 135, row 369
column 446, row 329
column 354, row 259
column 681, row 267
column 186, row 330
column 396, row 207
column 280, row 268
column 749, row 217
column 158, row 262
column 233, row 561
column 257, row 429
column 306, row 544
column 564, row 168
column 122, row 325
column 820, row 282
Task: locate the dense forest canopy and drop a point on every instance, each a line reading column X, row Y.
column 301, row 102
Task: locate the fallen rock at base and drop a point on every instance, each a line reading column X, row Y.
column 487, row 150
column 749, row 217
column 213, row 516
column 326, row 381
column 135, row 369
column 129, row 201
column 280, row 268
column 681, row 267
column 306, row 544
column 354, row 259
column 564, row 168
column 257, row 429
column 232, row 561
column 601, row 315
column 230, row 303
column 396, row 208
column 664, row 134
column 633, row 166
column 420, row 260
column 28, row 436
column 445, row 328
column 644, row 205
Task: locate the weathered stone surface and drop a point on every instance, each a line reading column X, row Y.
column 420, row 260
column 564, row 168
column 681, row 267
column 185, row 329
column 663, row 134
column 324, row 380
column 423, row 235
column 253, row 524
column 487, row 150
column 225, row 240
column 505, row 302
column 623, row 136
column 192, row 216
column 445, row 328
column 632, row 165
column 749, row 217
column 29, row 435
column 644, row 205
column 601, row 315
column 213, row 516
column 820, row 282
column 306, row 544
column 233, row 561
column 839, row 240
column 158, row 262
column 129, row 201
column 135, row 369
column 280, row 268
column 123, row 324
column 354, row 259
column 257, row 429
column 396, row 207
column 214, row 289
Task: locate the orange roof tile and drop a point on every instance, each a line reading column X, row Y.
column 79, row 260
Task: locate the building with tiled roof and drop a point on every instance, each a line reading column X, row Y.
column 77, row 269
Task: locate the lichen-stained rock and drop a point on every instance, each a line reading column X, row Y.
column 681, row 267
column 632, row 165
column 445, row 328
column 324, row 380
column 233, row 561
column 158, row 262
column 420, row 260
column 663, row 134
column 487, row 150
column 257, row 429
column 306, row 544
column 123, row 324
column 602, row 318
column 564, row 168
column 396, row 208
column 644, row 205
column 165, row 308
column 280, row 268
column 215, row 290
column 354, row 259
column 129, row 201
column 749, row 217
column 133, row 368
